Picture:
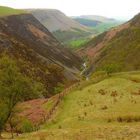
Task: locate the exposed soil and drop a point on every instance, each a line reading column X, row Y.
column 92, row 50
column 33, row 110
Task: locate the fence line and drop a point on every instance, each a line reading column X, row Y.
column 58, row 100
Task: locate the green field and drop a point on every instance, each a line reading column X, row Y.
column 102, row 27
column 4, row 11
column 77, row 43
column 106, row 110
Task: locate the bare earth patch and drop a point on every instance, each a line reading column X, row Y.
column 33, row 110
column 93, row 50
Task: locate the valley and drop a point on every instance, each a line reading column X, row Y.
column 72, row 29
column 68, row 77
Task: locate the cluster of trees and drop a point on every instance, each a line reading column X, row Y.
column 111, row 68
column 14, row 88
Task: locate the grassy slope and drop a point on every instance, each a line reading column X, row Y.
column 102, row 27
column 4, row 11
column 87, row 22
column 123, row 50
column 65, row 36
column 86, row 114
column 75, row 44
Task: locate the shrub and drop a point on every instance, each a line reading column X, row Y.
column 85, row 105
column 85, row 113
column 59, row 127
column 80, row 118
column 104, row 107
column 114, row 94
column 111, row 68
column 26, row 126
column 58, row 88
column 102, row 92
column 127, row 119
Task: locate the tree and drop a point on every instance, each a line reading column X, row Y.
column 58, row 88
column 3, row 112
column 14, row 87
column 13, row 122
column 111, row 68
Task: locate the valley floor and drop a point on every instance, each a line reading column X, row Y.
column 107, row 110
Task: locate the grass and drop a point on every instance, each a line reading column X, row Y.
column 102, row 27
column 106, row 110
column 78, row 102
column 65, row 36
column 50, row 103
column 123, row 50
column 4, row 11
column 77, row 43
column 87, row 22
column 127, row 56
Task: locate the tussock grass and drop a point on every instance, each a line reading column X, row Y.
column 106, row 110
column 125, row 119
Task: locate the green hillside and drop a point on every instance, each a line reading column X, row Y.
column 106, row 110
column 4, row 11
column 87, row 22
column 104, row 26
column 76, row 43
column 74, row 34
column 122, row 50
column 118, row 48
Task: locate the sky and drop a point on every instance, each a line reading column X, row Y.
column 124, row 9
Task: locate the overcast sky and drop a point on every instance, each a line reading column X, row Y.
column 109, row 8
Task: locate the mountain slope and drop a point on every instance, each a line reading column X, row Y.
column 63, row 27
column 4, row 11
column 119, row 46
column 98, row 24
column 97, row 18
column 55, row 20
column 38, row 53
column 87, row 22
